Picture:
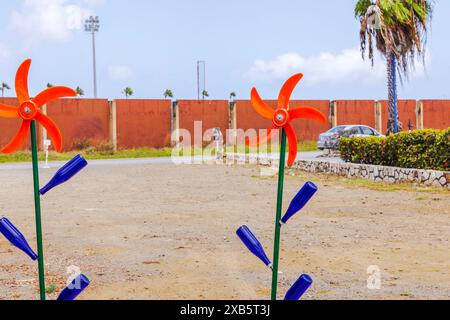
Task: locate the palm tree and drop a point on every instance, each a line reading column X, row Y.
column 128, row 92
column 232, row 96
column 168, row 94
column 205, row 94
column 399, row 30
column 79, row 91
column 4, row 87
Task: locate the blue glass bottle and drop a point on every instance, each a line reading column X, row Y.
column 300, row 201
column 76, row 287
column 299, row 288
column 252, row 243
column 64, row 174
column 16, row 238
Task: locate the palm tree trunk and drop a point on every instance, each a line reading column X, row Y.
column 392, row 125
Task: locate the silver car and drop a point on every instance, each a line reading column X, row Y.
column 331, row 138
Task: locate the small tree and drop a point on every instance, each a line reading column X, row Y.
column 205, row 94
column 128, row 92
column 168, row 94
column 232, row 96
column 79, row 91
column 49, row 85
column 4, row 87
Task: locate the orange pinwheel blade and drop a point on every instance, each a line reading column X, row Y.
column 19, row 139
column 53, row 94
column 8, row 111
column 286, row 91
column 293, row 147
column 52, row 130
column 261, row 139
column 307, row 113
column 21, row 82
column 260, row 106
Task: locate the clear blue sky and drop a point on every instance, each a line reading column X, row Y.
column 154, row 45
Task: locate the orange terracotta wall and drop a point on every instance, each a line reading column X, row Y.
column 356, row 112
column 306, row 130
column 147, row 123
column 213, row 114
column 247, row 118
column 81, row 119
column 436, row 114
column 143, row 123
column 406, row 113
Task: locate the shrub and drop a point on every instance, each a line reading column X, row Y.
column 421, row 149
column 105, row 149
column 81, row 144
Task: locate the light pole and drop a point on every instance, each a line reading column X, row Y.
column 92, row 26
column 200, row 64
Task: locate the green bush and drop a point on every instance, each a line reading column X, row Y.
column 105, row 149
column 422, row 149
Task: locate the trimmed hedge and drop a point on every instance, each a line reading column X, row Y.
column 421, row 149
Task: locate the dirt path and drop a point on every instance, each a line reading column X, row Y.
column 168, row 232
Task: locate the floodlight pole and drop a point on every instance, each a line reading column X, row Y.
column 276, row 246
column 37, row 208
column 94, row 64
column 92, row 26
column 198, row 80
column 199, row 90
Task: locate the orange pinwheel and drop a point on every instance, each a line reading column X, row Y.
column 282, row 116
column 30, row 110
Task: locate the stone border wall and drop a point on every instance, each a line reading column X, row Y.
column 391, row 175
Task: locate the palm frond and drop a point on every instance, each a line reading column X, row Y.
column 401, row 30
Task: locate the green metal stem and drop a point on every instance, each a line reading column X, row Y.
column 37, row 208
column 276, row 246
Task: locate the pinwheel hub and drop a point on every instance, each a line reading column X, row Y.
column 281, row 118
column 28, row 110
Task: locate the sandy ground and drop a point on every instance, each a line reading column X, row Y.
column 168, row 232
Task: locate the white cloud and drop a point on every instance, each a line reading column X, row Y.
column 346, row 66
column 4, row 53
column 119, row 72
column 50, row 19
column 93, row 3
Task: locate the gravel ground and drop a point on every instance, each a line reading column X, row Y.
column 160, row 231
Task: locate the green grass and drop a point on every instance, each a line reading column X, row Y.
column 25, row 156
column 51, row 288
column 94, row 154
column 307, row 146
column 359, row 183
